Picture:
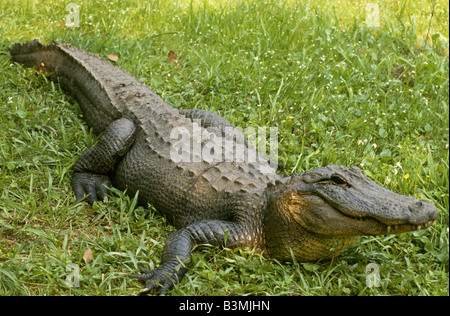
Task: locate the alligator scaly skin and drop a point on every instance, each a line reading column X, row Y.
column 314, row 215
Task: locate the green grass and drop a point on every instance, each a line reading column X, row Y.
column 338, row 91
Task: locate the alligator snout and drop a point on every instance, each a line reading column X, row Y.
column 423, row 211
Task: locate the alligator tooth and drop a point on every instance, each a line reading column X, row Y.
column 389, row 228
column 419, row 227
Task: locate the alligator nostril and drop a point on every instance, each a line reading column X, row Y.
column 422, row 211
column 417, row 206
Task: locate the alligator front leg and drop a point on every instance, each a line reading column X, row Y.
column 90, row 171
column 175, row 259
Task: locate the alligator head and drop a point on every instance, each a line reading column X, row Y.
column 322, row 212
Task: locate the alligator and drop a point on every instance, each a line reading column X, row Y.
column 210, row 200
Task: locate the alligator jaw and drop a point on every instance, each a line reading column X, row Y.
column 424, row 215
column 317, row 215
column 396, row 229
column 416, row 215
column 384, row 229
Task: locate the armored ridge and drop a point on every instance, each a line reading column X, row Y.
column 207, row 197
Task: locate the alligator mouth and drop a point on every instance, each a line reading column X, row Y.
column 399, row 228
column 395, row 228
column 321, row 215
column 417, row 215
column 383, row 228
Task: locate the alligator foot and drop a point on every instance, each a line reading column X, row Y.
column 94, row 186
column 161, row 279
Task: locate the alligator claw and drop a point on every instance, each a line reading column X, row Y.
column 146, row 274
column 92, row 186
column 156, row 280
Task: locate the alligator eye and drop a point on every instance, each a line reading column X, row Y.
column 335, row 179
column 339, row 180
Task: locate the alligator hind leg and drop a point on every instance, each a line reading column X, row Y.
column 90, row 171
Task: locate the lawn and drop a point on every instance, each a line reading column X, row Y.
column 339, row 89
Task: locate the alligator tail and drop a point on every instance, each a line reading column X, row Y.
column 35, row 54
column 79, row 72
column 25, row 53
